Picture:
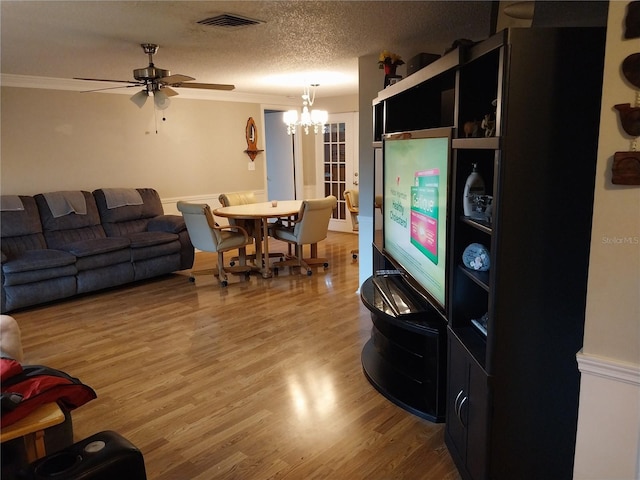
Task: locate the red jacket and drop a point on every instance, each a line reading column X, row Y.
column 25, row 388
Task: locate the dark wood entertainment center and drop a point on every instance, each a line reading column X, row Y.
column 509, row 394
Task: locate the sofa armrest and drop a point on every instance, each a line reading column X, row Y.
column 167, row 223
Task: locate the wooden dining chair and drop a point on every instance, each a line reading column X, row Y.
column 208, row 237
column 308, row 228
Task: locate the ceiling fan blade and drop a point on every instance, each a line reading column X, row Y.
column 140, row 98
column 206, row 86
column 171, row 79
column 169, row 92
column 112, row 88
column 106, row 80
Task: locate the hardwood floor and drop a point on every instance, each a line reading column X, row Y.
column 259, row 380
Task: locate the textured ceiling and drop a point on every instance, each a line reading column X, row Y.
column 300, row 42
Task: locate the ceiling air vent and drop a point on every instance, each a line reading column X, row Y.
column 227, row 20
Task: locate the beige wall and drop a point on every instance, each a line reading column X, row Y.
column 608, row 442
column 613, row 306
column 343, row 104
column 64, row 140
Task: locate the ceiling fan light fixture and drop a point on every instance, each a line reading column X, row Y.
column 161, row 100
column 140, row 98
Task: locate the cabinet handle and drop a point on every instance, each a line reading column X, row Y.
column 460, row 410
column 455, row 404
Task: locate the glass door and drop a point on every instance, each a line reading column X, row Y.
column 337, row 164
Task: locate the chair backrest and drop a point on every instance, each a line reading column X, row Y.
column 200, row 223
column 314, row 220
column 351, row 199
column 237, row 198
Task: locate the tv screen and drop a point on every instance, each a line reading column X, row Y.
column 415, row 182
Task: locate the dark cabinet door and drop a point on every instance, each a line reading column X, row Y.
column 458, row 379
column 477, row 420
column 467, row 411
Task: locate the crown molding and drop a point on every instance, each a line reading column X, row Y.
column 51, row 83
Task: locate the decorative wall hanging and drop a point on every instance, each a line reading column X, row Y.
column 631, row 69
column 625, row 169
column 632, row 21
column 251, row 134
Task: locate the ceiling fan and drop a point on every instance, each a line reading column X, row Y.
column 157, row 82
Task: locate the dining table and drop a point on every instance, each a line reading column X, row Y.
column 261, row 213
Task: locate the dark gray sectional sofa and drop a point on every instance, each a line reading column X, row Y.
column 59, row 244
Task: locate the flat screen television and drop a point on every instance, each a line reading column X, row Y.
column 416, row 167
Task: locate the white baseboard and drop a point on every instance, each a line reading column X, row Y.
column 608, row 443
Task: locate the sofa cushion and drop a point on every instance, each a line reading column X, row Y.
column 151, row 207
column 146, row 245
column 60, row 231
column 59, row 239
column 155, row 251
column 101, row 260
column 20, row 226
column 15, row 223
column 167, row 223
column 37, row 260
column 94, row 279
column 124, row 229
column 20, row 296
column 38, row 265
column 96, row 246
column 44, row 274
column 148, row 239
column 71, row 221
column 154, row 266
column 13, row 247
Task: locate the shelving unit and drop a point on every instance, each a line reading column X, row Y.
column 512, row 392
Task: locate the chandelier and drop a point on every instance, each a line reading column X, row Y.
column 313, row 118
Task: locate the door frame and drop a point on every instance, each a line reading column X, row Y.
column 350, row 119
column 295, row 143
